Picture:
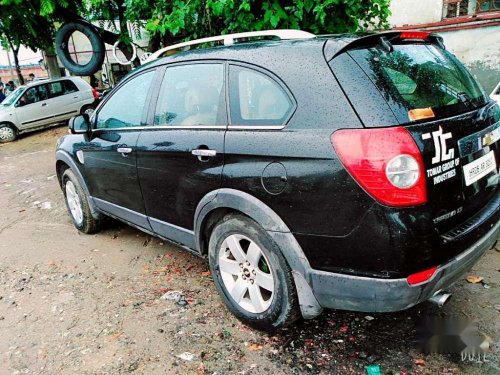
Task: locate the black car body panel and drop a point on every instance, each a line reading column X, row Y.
column 289, row 171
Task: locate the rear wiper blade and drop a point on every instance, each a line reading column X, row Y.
column 385, row 44
column 464, row 98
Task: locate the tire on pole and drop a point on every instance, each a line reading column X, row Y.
column 62, row 48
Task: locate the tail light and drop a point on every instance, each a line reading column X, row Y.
column 386, row 162
column 95, row 93
column 414, row 35
column 421, row 277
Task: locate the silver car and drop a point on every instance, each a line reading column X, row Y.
column 42, row 104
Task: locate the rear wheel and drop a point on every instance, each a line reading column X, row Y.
column 7, row 133
column 88, row 110
column 77, row 204
column 251, row 274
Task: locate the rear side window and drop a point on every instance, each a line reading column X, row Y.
column 420, row 81
column 256, row 99
column 56, row 89
column 69, row 87
column 192, row 95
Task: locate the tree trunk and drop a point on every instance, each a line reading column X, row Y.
column 51, row 63
column 15, row 52
column 18, row 67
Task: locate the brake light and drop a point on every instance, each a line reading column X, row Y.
column 386, row 162
column 95, row 93
column 420, row 35
column 421, row 277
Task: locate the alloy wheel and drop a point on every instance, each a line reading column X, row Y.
column 246, row 273
column 74, row 202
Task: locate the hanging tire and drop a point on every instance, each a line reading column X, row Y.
column 251, row 274
column 62, row 48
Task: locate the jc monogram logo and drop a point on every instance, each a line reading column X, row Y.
column 442, row 153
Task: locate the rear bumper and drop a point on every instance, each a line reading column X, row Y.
column 339, row 291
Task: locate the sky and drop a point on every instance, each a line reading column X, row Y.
column 26, row 56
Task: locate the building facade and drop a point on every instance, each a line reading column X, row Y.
column 470, row 29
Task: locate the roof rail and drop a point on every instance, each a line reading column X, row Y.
column 283, row 34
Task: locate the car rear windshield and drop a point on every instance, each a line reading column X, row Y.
column 420, row 81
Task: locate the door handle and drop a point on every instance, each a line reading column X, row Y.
column 75, row 97
column 204, row 152
column 44, row 104
column 124, row 150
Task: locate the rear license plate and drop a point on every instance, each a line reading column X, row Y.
column 479, row 168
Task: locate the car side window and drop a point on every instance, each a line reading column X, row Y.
column 33, row 95
column 125, row 107
column 69, row 87
column 256, row 99
column 192, row 95
column 56, row 89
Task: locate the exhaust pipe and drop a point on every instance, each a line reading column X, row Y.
column 440, row 298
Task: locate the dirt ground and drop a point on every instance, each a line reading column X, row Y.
column 78, row 304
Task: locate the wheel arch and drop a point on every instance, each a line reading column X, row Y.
column 11, row 124
column 219, row 203
column 65, row 161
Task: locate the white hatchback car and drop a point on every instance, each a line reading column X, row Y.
column 44, row 103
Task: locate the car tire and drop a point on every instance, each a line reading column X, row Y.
column 251, row 274
column 88, row 109
column 62, row 48
column 77, row 204
column 7, row 133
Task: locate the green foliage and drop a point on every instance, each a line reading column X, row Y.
column 21, row 22
column 32, row 22
column 199, row 18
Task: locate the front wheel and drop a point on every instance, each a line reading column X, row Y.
column 7, row 133
column 251, row 275
column 77, row 204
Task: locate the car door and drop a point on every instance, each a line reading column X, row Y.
column 64, row 102
column 33, row 108
column 110, row 154
column 180, row 155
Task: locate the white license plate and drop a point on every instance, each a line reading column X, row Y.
column 479, row 168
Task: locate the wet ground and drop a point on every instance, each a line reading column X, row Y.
column 78, row 304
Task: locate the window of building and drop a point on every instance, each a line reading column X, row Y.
column 488, row 5
column 460, row 8
column 456, row 8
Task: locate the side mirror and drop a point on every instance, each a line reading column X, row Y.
column 79, row 124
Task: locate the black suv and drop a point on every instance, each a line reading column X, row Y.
column 354, row 172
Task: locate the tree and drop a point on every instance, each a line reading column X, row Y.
column 21, row 25
column 31, row 23
column 200, row 18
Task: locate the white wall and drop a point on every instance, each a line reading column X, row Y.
column 411, row 12
column 479, row 50
column 26, row 56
